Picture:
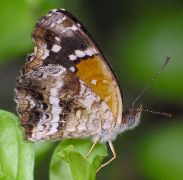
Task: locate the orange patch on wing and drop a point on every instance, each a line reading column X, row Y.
column 97, row 75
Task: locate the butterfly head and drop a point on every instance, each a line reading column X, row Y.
column 131, row 117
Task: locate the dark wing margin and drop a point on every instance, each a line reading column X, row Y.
column 60, row 39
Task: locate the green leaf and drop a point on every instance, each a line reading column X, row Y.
column 69, row 160
column 16, row 155
column 41, row 150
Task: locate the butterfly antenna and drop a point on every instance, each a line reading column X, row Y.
column 167, row 60
column 154, row 112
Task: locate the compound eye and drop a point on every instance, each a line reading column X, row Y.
column 130, row 121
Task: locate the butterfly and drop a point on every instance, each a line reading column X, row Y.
column 67, row 88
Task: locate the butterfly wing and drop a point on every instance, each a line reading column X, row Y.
column 54, row 104
column 61, row 40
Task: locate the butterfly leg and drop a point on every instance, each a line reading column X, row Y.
column 91, row 149
column 110, row 160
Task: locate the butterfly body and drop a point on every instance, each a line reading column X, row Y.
column 67, row 88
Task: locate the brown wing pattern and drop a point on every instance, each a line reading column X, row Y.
column 65, row 81
column 56, row 104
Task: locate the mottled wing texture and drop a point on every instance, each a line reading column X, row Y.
column 66, row 88
column 56, row 104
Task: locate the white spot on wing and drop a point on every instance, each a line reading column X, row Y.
column 56, row 48
column 94, row 81
column 74, row 28
column 79, row 53
column 79, row 24
column 72, row 57
column 90, row 51
column 57, row 38
column 72, row 68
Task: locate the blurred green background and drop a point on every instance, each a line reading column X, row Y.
column 136, row 36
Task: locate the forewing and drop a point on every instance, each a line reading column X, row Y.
column 61, row 39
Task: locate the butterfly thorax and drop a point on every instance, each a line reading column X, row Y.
column 131, row 118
